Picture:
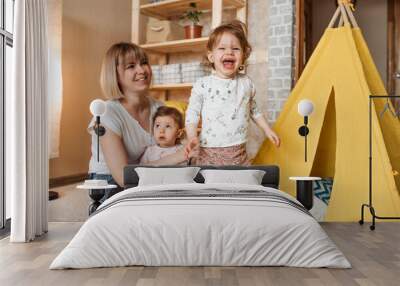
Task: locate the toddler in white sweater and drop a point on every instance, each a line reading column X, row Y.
column 225, row 101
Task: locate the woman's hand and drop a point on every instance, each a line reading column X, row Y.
column 272, row 136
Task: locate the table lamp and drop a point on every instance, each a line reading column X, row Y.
column 305, row 108
column 98, row 108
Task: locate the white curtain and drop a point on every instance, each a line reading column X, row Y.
column 27, row 123
column 54, row 10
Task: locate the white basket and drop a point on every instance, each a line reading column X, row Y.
column 171, row 73
column 156, row 69
column 193, row 71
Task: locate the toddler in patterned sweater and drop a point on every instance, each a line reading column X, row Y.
column 225, row 101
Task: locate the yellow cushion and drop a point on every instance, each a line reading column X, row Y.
column 179, row 105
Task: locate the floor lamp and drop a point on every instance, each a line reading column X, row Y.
column 96, row 193
column 97, row 108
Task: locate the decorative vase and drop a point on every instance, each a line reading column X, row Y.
column 193, row 31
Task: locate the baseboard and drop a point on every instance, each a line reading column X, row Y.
column 5, row 231
column 67, row 180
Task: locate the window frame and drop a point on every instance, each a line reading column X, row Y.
column 6, row 39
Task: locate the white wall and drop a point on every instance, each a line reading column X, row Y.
column 89, row 28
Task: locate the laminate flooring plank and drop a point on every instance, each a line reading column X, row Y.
column 313, row 282
column 196, row 276
column 228, row 277
column 365, row 282
column 149, row 272
column 343, row 277
column 273, row 276
column 179, row 276
column 245, row 281
column 213, row 272
column 131, row 276
column 146, row 282
column 213, row 282
column 112, row 277
column 374, row 255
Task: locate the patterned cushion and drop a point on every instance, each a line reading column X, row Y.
column 323, row 189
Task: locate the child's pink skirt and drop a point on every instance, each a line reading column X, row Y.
column 232, row 155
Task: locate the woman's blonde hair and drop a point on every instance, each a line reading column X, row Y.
column 236, row 28
column 118, row 54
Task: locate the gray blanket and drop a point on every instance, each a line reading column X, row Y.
column 205, row 194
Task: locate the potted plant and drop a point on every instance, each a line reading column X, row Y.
column 192, row 17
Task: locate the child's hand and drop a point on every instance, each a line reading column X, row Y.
column 194, row 153
column 271, row 135
column 192, row 149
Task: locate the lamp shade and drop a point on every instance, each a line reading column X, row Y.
column 98, row 107
column 305, row 107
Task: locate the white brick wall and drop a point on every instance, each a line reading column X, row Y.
column 280, row 55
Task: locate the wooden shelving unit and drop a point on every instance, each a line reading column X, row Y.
column 171, row 86
column 195, row 45
column 172, row 9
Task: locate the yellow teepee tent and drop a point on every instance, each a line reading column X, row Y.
column 338, row 79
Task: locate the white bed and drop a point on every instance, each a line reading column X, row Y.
column 247, row 225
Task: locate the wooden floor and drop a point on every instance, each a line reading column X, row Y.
column 375, row 257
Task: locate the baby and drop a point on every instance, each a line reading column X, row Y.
column 225, row 101
column 167, row 132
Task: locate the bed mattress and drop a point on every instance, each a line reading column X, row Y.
column 201, row 225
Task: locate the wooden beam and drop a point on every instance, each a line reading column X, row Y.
column 334, row 18
column 241, row 13
column 299, row 33
column 344, row 15
column 341, row 21
column 171, row 86
column 135, row 28
column 351, row 16
column 197, row 44
column 391, row 47
column 216, row 13
column 397, row 41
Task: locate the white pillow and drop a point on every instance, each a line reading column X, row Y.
column 248, row 177
column 164, row 176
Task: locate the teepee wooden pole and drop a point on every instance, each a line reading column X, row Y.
column 334, row 17
column 351, row 16
column 344, row 15
column 341, row 22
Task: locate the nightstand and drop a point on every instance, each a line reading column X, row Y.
column 96, row 193
column 304, row 190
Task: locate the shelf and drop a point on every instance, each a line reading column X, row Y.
column 170, row 9
column 171, row 86
column 188, row 45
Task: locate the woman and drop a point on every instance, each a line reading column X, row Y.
column 125, row 79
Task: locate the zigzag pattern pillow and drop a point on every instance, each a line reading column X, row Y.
column 323, row 189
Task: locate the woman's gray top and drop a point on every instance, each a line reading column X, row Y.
column 134, row 137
